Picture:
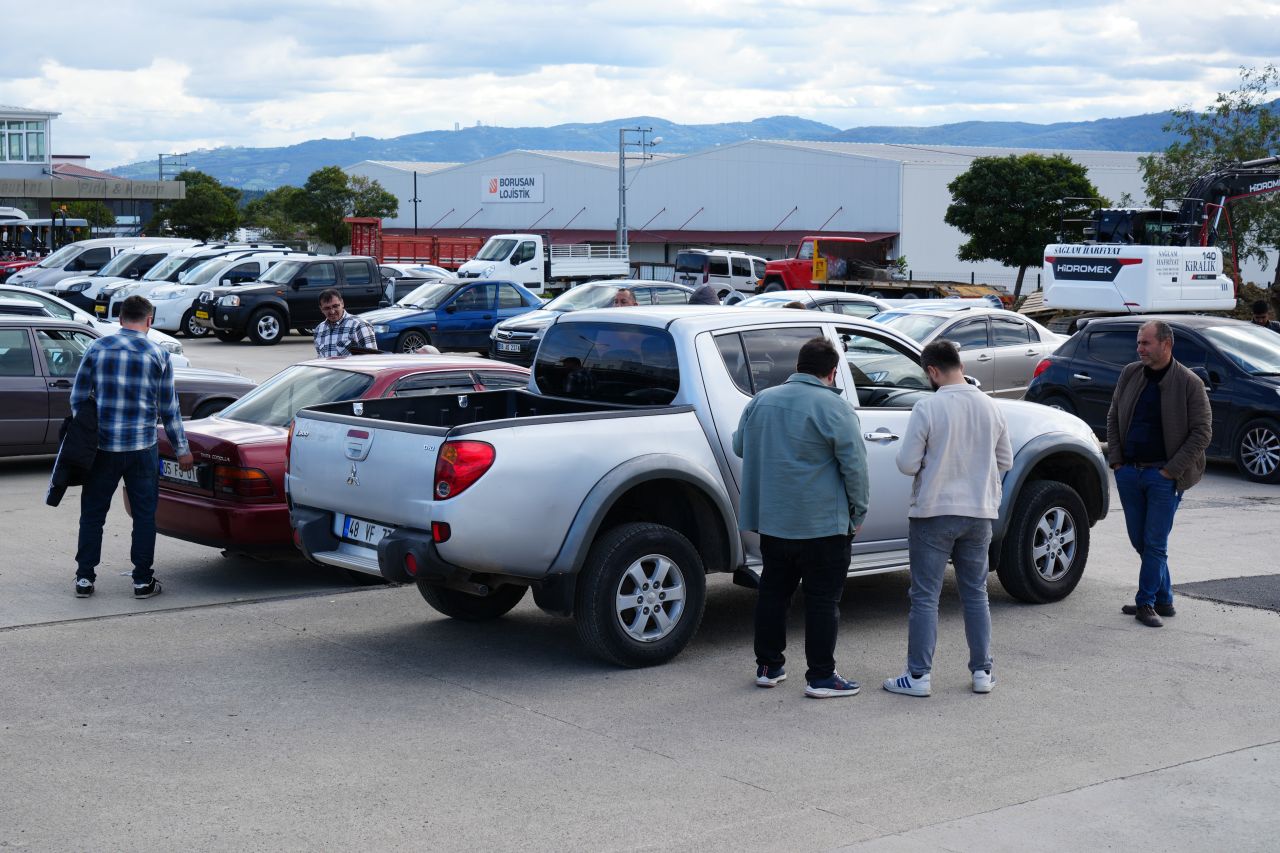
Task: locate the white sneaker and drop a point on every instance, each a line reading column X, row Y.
column 908, row 686
column 983, row 681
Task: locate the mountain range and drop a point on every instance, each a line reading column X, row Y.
column 267, row 168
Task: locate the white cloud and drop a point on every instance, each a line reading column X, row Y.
column 136, row 77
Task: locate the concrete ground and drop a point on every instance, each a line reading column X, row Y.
column 278, row 706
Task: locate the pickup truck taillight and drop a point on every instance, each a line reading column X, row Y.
column 1040, row 368
column 459, row 465
column 242, row 482
column 288, row 445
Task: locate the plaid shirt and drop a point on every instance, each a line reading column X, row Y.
column 333, row 339
column 132, row 380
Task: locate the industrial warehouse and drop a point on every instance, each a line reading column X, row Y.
column 758, row 196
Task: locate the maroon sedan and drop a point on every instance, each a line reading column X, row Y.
column 234, row 497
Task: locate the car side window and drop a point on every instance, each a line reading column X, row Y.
column 757, row 268
column 241, row 272
column 718, row 266
column 146, row 262
column 356, row 272
column 63, row 350
column 741, row 267
column 321, row 275
column 884, row 375
column 670, row 296
column 477, row 298
column 857, row 309
column 429, row 384
column 15, row 353
column 94, row 259
column 1190, row 353
column 524, row 254
column 1007, row 332
column 496, row 381
column 509, row 297
column 971, row 334
column 762, row 358
column 1115, row 346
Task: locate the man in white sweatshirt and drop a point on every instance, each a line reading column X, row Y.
column 956, row 447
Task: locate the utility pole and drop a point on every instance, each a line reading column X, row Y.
column 644, row 143
column 169, row 165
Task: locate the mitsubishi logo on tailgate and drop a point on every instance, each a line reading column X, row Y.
column 353, row 479
column 356, row 445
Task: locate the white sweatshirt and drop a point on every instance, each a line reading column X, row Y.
column 957, row 447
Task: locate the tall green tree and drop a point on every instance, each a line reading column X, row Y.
column 1240, row 125
column 330, row 195
column 210, row 209
column 273, row 212
column 97, row 214
column 1010, row 207
column 369, row 198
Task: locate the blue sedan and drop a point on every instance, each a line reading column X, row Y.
column 450, row 315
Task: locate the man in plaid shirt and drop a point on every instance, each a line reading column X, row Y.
column 130, row 380
column 340, row 331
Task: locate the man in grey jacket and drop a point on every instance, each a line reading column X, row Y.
column 1158, row 428
column 957, row 448
column 804, row 490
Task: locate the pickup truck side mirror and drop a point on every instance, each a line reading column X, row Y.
column 226, row 282
column 1204, row 376
column 300, row 281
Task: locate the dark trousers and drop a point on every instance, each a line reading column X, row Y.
column 140, row 470
column 822, row 564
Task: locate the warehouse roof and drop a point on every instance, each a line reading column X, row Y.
column 959, row 155
column 411, row 165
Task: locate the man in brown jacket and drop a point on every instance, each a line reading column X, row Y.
column 1158, row 428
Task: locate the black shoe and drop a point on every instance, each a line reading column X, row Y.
column 1165, row 610
column 146, row 590
column 1146, row 614
column 84, row 587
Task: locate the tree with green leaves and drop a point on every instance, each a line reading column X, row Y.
column 1010, row 207
column 274, row 213
column 209, row 210
column 1240, row 125
column 330, row 195
column 97, row 214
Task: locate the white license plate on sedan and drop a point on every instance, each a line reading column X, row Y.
column 508, row 347
column 170, row 470
column 360, row 530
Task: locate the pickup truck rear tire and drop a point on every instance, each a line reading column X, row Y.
column 472, row 608
column 1047, row 544
column 228, row 337
column 266, row 327
column 641, row 595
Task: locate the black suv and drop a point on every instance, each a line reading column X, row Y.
column 288, row 296
column 1239, row 363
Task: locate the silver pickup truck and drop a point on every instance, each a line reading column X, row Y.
column 610, row 488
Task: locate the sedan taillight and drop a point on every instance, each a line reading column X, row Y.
column 242, row 482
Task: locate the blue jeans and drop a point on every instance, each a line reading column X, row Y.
column 1149, row 502
column 140, row 470
column 932, row 542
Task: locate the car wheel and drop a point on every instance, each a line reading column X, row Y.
column 190, row 327
column 1046, row 545
column 265, row 328
column 772, row 287
column 411, row 340
column 472, row 608
column 910, row 294
column 1057, row 401
column 1258, row 451
column 641, row 595
column 209, row 407
column 875, row 294
column 228, row 337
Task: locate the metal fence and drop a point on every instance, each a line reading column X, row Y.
column 1004, row 281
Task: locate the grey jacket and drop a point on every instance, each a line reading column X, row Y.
column 1185, row 418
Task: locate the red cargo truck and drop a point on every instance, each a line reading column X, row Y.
column 448, row 252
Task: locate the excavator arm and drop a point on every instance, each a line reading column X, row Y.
column 1218, row 189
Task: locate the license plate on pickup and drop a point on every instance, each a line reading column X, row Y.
column 202, row 315
column 360, row 530
column 508, row 347
column 100, row 310
column 170, row 470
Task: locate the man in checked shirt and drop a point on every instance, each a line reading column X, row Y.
column 130, row 379
column 340, row 331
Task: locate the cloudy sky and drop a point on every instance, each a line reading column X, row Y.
column 134, row 78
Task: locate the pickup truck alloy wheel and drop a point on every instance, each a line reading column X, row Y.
column 228, row 337
column 1046, row 544
column 1258, row 451
column 265, row 328
column 191, row 327
column 641, row 594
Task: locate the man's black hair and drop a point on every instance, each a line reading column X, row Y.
column 941, row 354
column 818, row 357
column 1261, row 307
column 136, row 309
column 330, row 293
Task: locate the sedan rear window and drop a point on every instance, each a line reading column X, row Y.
column 608, row 363
column 276, row 401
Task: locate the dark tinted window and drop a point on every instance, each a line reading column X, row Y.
column 509, row 297
column 15, row 353
column 93, row 259
column 690, row 262
column 241, row 272
column 1114, row 346
column 763, row 358
column 718, row 266
column 426, row 384
column 146, row 262
column 524, row 253
column 1188, row 352
column 356, row 272
column 493, row 381
column 609, row 363
column 321, row 275
column 971, row 334
column 741, row 267
column 1007, row 332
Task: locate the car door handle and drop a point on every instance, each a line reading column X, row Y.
column 1033, row 352
column 1083, row 377
column 984, row 357
column 60, row 383
column 880, row 435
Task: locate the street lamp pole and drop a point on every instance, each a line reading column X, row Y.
column 644, row 143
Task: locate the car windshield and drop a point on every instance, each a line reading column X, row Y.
column 690, row 262
column 772, row 300
column 166, row 269
column 915, row 326
column 496, row 250
column 60, row 257
column 282, row 272
column 429, row 295
column 584, row 296
column 116, row 265
column 276, row 401
column 206, row 272
column 1254, row 349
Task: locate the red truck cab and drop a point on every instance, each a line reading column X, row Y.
column 817, row 260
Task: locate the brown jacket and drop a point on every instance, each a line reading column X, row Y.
column 1185, row 417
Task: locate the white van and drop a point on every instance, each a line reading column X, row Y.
column 81, row 257
column 723, row 269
